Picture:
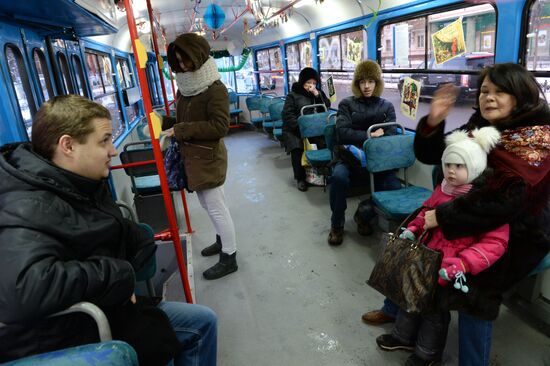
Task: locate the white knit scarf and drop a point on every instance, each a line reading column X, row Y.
column 195, row 82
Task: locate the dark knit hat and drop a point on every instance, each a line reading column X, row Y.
column 306, row 74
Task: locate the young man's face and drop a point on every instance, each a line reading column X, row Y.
column 367, row 87
column 93, row 158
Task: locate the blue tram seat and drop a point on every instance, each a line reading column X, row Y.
column 105, row 353
column 234, row 110
column 330, row 130
column 390, row 153
column 275, row 125
column 145, row 184
column 254, row 104
column 543, row 265
column 313, row 125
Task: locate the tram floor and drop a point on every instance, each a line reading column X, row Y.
column 295, row 300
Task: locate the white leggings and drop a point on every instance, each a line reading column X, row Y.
column 213, row 201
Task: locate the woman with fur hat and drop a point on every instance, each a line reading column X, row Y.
column 463, row 160
column 202, row 120
column 355, row 115
column 306, row 91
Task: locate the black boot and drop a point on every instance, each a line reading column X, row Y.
column 226, row 265
column 213, row 249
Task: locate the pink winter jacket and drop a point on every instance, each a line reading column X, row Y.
column 477, row 252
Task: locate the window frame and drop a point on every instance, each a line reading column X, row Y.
column 425, row 14
column 26, row 86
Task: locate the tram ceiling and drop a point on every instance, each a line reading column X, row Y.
column 267, row 20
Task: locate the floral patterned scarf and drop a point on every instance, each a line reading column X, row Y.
column 524, row 154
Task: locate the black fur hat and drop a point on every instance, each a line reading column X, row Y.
column 306, row 74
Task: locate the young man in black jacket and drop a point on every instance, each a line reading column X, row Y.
column 355, row 115
column 63, row 240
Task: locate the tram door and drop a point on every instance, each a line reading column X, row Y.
column 24, row 94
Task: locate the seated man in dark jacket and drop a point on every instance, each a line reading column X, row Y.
column 63, row 240
column 355, row 115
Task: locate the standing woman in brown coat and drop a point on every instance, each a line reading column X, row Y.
column 202, row 120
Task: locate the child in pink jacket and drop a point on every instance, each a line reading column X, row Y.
column 464, row 159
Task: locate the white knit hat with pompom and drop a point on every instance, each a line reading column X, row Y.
column 470, row 151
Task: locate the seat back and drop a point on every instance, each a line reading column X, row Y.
column 312, row 125
column 390, row 153
column 108, row 352
column 233, row 98
column 329, row 132
column 276, row 110
column 253, row 103
column 149, row 182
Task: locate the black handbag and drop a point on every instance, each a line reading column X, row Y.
column 406, row 271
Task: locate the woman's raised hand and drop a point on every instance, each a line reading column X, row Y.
column 442, row 103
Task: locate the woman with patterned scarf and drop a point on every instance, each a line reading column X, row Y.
column 514, row 190
column 202, row 120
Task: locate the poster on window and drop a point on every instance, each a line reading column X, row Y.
column 410, row 96
column 353, row 52
column 305, row 54
column 331, row 89
column 448, row 42
column 329, row 48
column 292, row 57
column 541, row 38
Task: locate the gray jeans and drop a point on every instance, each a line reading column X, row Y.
column 428, row 332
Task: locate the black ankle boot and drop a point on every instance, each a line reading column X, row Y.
column 213, row 249
column 226, row 265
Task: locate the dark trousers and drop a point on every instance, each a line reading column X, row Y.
column 297, row 168
column 474, row 336
column 428, row 332
column 341, row 179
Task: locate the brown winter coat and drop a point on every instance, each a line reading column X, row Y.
column 201, row 122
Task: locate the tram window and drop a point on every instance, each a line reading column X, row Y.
column 65, row 73
column 228, row 78
column 80, row 81
column 94, row 74
column 338, row 55
column 110, row 102
column 43, row 74
column 124, row 73
column 298, row 56
column 151, row 81
column 103, row 90
column 245, row 77
column 168, row 82
column 21, row 85
column 537, row 52
column 106, row 73
column 270, row 67
column 403, row 49
column 404, row 56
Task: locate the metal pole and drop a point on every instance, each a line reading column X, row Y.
column 140, row 55
column 160, row 61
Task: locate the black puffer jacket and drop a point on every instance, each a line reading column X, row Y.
column 294, row 103
column 59, row 245
column 357, row 114
column 485, row 208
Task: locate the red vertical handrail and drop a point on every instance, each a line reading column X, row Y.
column 160, row 61
column 154, row 129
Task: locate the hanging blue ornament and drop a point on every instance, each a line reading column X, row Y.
column 214, row 16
